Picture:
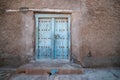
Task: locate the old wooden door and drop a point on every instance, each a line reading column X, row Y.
column 52, row 36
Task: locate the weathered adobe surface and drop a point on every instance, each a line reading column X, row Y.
column 95, row 31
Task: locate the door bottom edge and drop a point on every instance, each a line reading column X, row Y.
column 51, row 60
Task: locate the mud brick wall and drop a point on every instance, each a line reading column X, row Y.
column 95, row 31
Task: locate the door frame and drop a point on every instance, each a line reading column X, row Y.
column 41, row 15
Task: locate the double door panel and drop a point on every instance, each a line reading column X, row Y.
column 53, row 38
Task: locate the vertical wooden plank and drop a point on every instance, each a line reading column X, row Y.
column 53, row 32
column 69, row 38
column 36, row 47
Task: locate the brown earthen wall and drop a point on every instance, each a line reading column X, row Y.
column 95, row 31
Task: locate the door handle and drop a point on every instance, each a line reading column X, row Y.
column 56, row 36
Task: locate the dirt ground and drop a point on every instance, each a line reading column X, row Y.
column 89, row 74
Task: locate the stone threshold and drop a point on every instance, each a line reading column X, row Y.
column 44, row 68
column 48, row 71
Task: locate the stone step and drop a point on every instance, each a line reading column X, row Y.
column 48, row 71
column 48, row 68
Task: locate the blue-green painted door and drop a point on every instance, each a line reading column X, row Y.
column 61, row 38
column 44, row 38
column 52, row 36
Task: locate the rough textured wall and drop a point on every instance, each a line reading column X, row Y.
column 101, row 33
column 16, row 39
column 95, row 30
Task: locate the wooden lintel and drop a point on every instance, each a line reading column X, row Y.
column 41, row 10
